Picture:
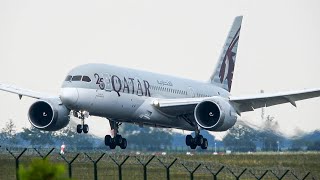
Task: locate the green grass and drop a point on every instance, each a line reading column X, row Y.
column 82, row 168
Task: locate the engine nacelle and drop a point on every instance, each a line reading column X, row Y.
column 48, row 115
column 215, row 114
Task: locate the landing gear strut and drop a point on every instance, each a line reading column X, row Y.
column 82, row 127
column 198, row 140
column 117, row 139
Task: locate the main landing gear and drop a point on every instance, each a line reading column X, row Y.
column 198, row 140
column 82, row 127
column 117, row 139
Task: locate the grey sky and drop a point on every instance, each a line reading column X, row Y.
column 40, row 41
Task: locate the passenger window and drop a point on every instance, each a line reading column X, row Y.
column 86, row 79
column 68, row 78
column 76, row 78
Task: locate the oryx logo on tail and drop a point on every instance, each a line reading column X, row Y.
column 223, row 74
column 230, row 59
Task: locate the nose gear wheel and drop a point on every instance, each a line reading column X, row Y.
column 81, row 127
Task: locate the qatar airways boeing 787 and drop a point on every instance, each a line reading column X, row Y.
column 124, row 95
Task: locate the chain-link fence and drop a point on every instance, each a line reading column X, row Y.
column 99, row 164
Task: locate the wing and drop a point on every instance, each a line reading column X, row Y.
column 178, row 106
column 250, row 103
column 242, row 104
column 24, row 92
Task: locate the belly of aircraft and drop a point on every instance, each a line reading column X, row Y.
column 126, row 108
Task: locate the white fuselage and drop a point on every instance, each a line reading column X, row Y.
column 126, row 95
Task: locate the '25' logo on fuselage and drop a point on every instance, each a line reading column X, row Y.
column 125, row 85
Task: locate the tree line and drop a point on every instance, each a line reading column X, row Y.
column 147, row 137
column 240, row 138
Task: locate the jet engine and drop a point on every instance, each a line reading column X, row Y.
column 215, row 114
column 49, row 115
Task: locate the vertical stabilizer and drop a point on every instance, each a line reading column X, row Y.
column 223, row 73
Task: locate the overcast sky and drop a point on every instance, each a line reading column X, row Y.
column 40, row 41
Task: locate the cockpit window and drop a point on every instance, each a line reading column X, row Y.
column 68, row 78
column 76, row 78
column 86, row 79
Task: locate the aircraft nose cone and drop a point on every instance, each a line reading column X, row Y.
column 69, row 96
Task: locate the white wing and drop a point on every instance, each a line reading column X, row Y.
column 176, row 107
column 24, row 92
column 242, row 104
column 250, row 103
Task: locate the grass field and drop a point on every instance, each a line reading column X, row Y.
column 298, row 164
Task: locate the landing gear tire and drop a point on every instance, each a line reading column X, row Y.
column 112, row 145
column 204, row 145
column 118, row 139
column 85, row 128
column 107, row 140
column 198, row 140
column 79, row 128
column 123, row 144
column 82, row 128
column 193, row 146
column 188, row 140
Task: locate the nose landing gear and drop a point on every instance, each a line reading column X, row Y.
column 82, row 127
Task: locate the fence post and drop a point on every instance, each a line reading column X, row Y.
column 43, row 157
column 214, row 174
column 69, row 163
column 237, row 177
column 168, row 167
column 95, row 164
column 191, row 172
column 259, row 178
column 17, row 160
column 145, row 166
column 280, row 177
column 304, row 177
column 120, row 165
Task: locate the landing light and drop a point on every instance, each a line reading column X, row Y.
column 156, row 102
column 85, row 114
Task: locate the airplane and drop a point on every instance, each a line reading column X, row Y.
column 123, row 95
